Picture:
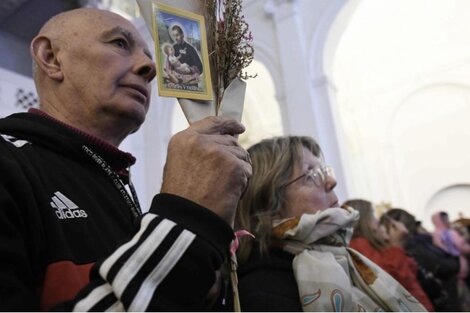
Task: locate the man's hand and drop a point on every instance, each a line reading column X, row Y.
column 206, row 165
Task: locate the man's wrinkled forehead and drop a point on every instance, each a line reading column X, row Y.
column 131, row 35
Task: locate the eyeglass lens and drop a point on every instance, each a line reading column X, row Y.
column 320, row 174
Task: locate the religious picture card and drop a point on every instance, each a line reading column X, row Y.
column 183, row 69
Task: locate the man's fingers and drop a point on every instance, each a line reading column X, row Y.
column 240, row 153
column 224, row 140
column 205, row 161
column 218, row 125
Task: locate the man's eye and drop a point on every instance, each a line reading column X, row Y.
column 121, row 43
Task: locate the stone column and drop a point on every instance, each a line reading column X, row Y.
column 306, row 99
column 295, row 99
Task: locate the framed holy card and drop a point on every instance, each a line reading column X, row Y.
column 181, row 52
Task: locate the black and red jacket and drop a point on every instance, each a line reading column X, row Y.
column 68, row 240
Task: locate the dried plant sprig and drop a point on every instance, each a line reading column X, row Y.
column 231, row 49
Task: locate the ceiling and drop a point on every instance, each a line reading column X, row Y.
column 23, row 18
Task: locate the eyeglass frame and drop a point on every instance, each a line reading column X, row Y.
column 324, row 171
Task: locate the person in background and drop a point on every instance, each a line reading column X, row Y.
column 72, row 235
column 298, row 259
column 462, row 226
column 453, row 243
column 437, row 269
column 387, row 252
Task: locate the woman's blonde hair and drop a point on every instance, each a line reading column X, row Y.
column 273, row 162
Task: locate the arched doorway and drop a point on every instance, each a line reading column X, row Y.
column 454, row 200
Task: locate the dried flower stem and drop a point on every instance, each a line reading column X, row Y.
column 232, row 43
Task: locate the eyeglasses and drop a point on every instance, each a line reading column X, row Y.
column 316, row 175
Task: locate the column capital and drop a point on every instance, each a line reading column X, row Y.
column 273, row 8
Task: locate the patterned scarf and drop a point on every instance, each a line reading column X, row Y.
column 332, row 277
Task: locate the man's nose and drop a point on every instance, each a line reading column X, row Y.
column 146, row 67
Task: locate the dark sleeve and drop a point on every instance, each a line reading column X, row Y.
column 435, row 260
column 269, row 286
column 265, row 290
column 169, row 265
column 446, row 266
column 19, row 241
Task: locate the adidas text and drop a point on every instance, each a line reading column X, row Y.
column 65, row 208
column 63, row 214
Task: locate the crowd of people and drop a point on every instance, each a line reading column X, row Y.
column 414, row 257
column 73, row 236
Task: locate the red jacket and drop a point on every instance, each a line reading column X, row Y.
column 400, row 266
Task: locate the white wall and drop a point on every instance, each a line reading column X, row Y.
column 289, row 39
column 402, row 76
column 382, row 85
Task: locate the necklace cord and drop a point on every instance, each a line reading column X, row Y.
column 132, row 203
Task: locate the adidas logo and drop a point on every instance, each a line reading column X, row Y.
column 17, row 142
column 65, row 208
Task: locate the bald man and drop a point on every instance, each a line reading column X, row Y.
column 72, row 235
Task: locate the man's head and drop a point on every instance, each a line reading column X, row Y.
column 177, row 34
column 93, row 71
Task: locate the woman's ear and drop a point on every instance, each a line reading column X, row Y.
column 45, row 56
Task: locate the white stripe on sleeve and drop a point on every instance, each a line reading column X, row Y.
column 93, row 297
column 108, row 263
column 146, row 291
column 116, row 307
column 140, row 256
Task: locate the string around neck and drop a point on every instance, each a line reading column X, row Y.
column 132, row 203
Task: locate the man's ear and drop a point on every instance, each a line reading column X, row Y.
column 45, row 56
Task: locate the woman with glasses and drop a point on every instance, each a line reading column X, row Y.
column 298, row 259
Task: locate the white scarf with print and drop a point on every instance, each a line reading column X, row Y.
column 332, row 277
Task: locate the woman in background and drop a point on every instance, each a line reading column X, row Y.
column 385, row 248
column 437, row 270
